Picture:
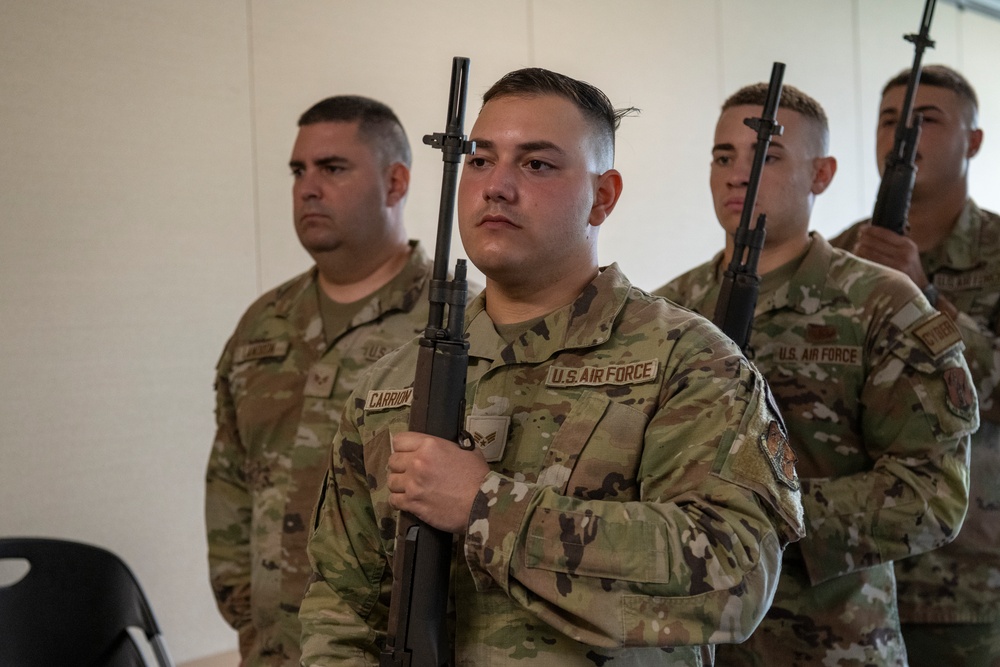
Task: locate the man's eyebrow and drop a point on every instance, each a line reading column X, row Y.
column 928, row 107
column 893, row 111
column 321, row 162
column 723, row 147
column 526, row 147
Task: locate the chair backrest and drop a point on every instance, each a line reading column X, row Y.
column 73, row 607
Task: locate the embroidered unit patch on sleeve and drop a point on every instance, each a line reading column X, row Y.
column 960, row 396
column 774, row 444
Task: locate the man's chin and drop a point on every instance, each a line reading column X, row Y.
column 321, row 246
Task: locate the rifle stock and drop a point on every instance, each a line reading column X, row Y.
column 734, row 309
column 417, row 633
column 892, row 206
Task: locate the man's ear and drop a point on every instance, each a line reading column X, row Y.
column 975, row 142
column 826, row 167
column 397, row 182
column 607, row 191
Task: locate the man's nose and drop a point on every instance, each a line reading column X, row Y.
column 739, row 174
column 500, row 184
column 307, row 185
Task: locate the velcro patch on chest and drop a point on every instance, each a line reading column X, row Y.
column 375, row 351
column 387, row 399
column 320, row 381
column 636, row 372
column 938, row 333
column 261, row 350
column 490, row 435
column 969, row 280
column 843, row 355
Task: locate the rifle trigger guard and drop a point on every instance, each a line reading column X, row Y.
column 465, row 441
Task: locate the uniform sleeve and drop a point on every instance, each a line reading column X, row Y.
column 694, row 561
column 228, row 511
column 919, row 410
column 982, row 353
column 348, row 595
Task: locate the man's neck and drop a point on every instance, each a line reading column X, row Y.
column 346, row 280
column 509, row 304
column 932, row 217
column 774, row 254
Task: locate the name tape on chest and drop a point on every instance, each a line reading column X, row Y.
column 842, row 355
column 938, row 333
column 592, row 376
column 387, row 399
column 261, row 350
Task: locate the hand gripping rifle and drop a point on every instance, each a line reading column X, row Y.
column 892, row 206
column 421, row 565
column 740, row 283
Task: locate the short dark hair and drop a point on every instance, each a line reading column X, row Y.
column 589, row 99
column 792, row 99
column 940, row 76
column 377, row 124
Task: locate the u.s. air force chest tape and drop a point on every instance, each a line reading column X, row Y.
column 635, row 372
column 819, row 346
column 968, row 280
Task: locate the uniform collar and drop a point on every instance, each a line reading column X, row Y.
column 585, row 323
column 399, row 294
column 960, row 250
column 803, row 292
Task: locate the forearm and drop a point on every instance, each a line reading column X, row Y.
column 345, row 609
column 681, row 561
column 228, row 516
column 903, row 507
column 227, row 519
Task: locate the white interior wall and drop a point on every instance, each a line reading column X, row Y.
column 144, row 199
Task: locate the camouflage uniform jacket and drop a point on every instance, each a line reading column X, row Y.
column 631, row 512
column 960, row 583
column 280, row 387
column 879, row 408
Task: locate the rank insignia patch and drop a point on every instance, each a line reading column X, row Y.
column 490, row 435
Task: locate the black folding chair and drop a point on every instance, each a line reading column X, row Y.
column 74, row 607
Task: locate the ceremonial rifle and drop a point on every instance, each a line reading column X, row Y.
column 740, row 284
column 421, row 567
column 892, row 206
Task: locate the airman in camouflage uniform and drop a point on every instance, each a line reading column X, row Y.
column 632, row 489
column 296, row 355
column 949, row 598
column 872, row 385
